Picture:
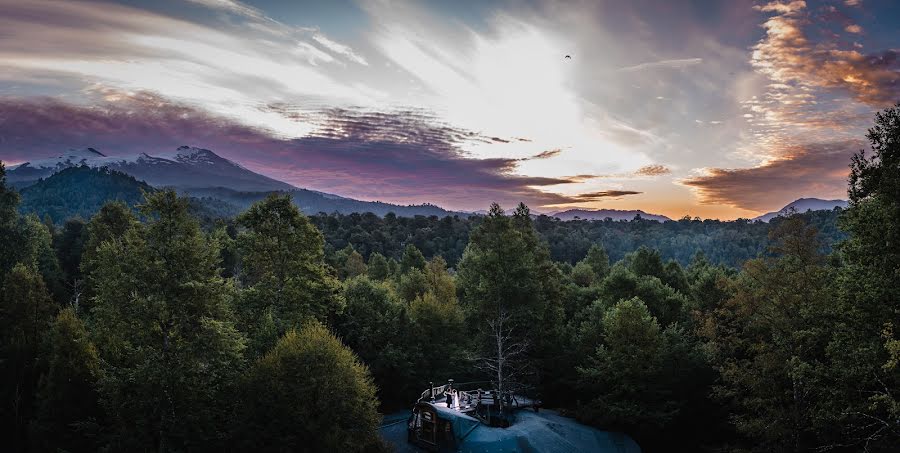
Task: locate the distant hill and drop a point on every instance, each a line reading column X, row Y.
column 186, row 167
column 313, row 202
column 802, row 205
column 602, row 214
column 80, row 191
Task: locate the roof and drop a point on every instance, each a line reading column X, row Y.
column 544, row 431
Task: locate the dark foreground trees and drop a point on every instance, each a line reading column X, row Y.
column 308, row 394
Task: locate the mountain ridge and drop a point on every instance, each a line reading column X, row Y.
column 602, row 214
column 802, row 205
column 186, row 167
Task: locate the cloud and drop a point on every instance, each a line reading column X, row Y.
column 545, row 154
column 653, row 170
column 339, row 49
column 852, row 2
column 663, row 64
column 405, row 157
column 794, row 62
column 812, row 170
column 602, row 195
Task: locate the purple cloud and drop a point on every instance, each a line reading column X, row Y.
column 403, row 157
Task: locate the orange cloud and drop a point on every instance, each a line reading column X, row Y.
column 818, row 170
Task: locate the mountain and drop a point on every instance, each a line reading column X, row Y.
column 187, row 167
column 802, row 205
column 312, row 202
column 80, row 191
column 602, row 214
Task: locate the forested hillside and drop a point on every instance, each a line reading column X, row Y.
column 80, row 192
column 722, row 242
column 145, row 332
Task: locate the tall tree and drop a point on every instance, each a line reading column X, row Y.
column 866, row 385
column 510, row 287
column 282, row 268
column 25, row 314
column 68, row 409
column 163, row 323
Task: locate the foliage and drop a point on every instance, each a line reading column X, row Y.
column 282, row 270
column 25, row 314
column 67, row 406
column 309, row 393
column 163, row 325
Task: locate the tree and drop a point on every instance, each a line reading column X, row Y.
column 9, row 228
column 412, row 259
column 376, row 326
column 511, row 288
column 864, row 399
column 583, row 274
column 163, row 324
column 769, row 338
column 282, row 268
column 67, row 402
column 309, row 393
column 25, row 315
column 378, row 267
column 412, row 284
column 355, row 265
column 440, row 338
column 109, row 224
column 598, row 260
column 631, row 380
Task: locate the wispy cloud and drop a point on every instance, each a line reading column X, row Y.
column 663, row 64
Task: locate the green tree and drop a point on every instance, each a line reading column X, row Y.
column 598, row 260
column 163, row 326
column 375, row 325
column 632, row 380
column 378, row 267
column 507, row 278
column 25, row 315
column 412, row 284
column 412, row 259
column 309, row 393
column 283, row 268
column 68, row 409
column 768, row 339
column 864, row 399
column 583, row 274
column 355, row 265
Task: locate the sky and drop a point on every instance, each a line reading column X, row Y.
column 717, row 109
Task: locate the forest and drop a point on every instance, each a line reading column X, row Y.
column 146, row 330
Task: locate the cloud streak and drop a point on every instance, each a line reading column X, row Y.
column 663, row 64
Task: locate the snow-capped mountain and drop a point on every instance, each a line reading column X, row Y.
column 185, row 168
column 802, row 205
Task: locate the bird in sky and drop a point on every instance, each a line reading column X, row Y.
column 569, row 57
